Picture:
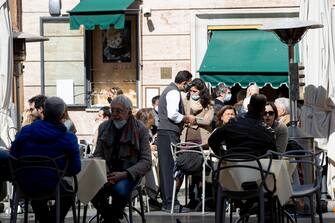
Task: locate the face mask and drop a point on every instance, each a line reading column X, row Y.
column 187, row 87
column 119, row 123
column 195, row 96
column 227, row 97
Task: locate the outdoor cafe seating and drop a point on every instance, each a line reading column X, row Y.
column 91, row 179
column 47, row 185
column 136, row 193
column 309, row 173
column 194, row 151
column 241, row 177
column 267, row 181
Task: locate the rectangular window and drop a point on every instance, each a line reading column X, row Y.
column 62, row 61
column 114, row 62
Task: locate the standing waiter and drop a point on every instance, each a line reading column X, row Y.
column 171, row 120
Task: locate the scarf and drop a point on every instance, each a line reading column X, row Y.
column 131, row 133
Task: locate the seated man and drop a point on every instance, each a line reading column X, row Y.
column 36, row 105
column 246, row 133
column 247, row 130
column 49, row 137
column 123, row 142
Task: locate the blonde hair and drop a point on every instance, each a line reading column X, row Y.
column 27, row 119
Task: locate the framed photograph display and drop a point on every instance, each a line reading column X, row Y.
column 117, row 44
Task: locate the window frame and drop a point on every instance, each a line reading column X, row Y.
column 63, row 19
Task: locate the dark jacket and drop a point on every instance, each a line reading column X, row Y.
column 244, row 131
column 48, row 139
column 134, row 149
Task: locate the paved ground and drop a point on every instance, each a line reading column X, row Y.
column 162, row 217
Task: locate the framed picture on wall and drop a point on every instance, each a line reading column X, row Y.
column 150, row 92
column 117, row 44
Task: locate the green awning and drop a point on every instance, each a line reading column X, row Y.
column 244, row 57
column 244, row 80
column 103, row 13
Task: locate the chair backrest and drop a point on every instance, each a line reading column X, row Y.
column 242, row 176
column 37, row 177
column 184, row 147
column 308, row 166
column 86, row 148
column 188, row 156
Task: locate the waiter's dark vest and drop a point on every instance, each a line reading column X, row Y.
column 164, row 122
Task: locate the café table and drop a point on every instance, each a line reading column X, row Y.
column 282, row 170
column 91, row 178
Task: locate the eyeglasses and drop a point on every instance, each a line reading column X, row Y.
column 117, row 111
column 269, row 113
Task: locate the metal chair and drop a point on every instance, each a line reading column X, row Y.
column 189, row 147
column 309, row 167
column 253, row 188
column 136, row 193
column 27, row 185
column 86, row 148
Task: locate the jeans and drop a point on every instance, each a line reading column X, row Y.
column 120, row 192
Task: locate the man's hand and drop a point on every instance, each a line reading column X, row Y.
column 153, row 147
column 115, row 177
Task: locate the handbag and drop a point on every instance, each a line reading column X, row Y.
column 189, row 162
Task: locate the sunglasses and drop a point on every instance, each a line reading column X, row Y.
column 269, row 113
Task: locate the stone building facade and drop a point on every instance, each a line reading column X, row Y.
column 171, row 36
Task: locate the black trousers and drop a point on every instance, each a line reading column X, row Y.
column 166, row 164
column 46, row 214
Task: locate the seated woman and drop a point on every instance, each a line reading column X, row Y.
column 146, row 116
column 67, row 121
column 123, row 142
column 270, row 117
column 225, row 114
